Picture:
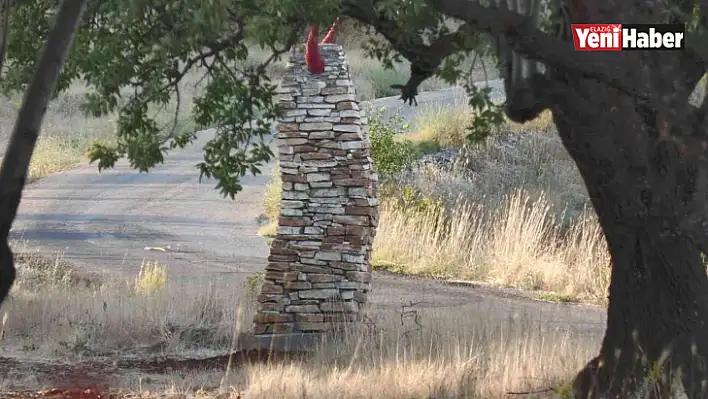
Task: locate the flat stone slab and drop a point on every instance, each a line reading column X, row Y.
column 319, row 262
column 294, row 342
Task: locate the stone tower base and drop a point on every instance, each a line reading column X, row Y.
column 318, row 272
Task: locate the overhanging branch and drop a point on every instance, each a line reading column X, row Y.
column 521, row 35
column 424, row 58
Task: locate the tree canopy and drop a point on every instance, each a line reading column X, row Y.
column 132, row 55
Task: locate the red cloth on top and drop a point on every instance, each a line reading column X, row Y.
column 315, row 62
column 329, row 38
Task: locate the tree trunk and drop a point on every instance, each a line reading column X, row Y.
column 656, row 313
column 638, row 145
column 15, row 164
column 641, row 190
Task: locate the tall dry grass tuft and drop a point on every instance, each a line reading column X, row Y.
column 487, row 173
column 68, row 133
column 271, row 204
column 151, row 278
column 468, row 350
column 517, row 244
column 543, row 123
column 271, row 199
column 54, row 312
column 451, row 353
column 446, row 127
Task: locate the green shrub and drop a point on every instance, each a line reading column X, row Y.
column 391, row 156
column 426, row 147
column 412, row 200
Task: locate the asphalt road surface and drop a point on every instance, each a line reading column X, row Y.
column 103, row 222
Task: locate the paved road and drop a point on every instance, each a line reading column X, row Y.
column 102, row 222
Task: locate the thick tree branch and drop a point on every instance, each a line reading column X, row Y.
column 522, row 36
column 424, row 58
column 694, row 61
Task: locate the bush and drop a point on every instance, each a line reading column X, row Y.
column 391, row 156
column 514, row 242
column 412, row 200
column 409, row 199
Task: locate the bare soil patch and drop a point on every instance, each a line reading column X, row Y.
column 92, row 379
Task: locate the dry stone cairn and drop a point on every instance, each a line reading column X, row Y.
column 318, row 271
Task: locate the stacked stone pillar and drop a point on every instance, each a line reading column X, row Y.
column 318, row 271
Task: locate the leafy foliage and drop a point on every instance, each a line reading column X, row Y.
column 133, row 55
column 417, row 22
column 413, row 200
column 488, row 115
column 391, row 156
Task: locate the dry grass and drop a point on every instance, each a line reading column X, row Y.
column 450, row 353
column 271, row 204
column 67, row 133
column 373, row 81
column 445, row 127
column 516, row 241
column 517, row 204
column 53, row 311
column 461, row 357
column 526, row 156
column 518, row 244
column 151, row 279
column 541, row 124
column 55, row 315
column 485, row 174
column 529, row 157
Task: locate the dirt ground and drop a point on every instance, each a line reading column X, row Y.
column 92, row 379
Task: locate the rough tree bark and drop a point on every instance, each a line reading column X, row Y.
column 639, row 146
column 641, row 189
column 15, row 164
column 640, row 154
